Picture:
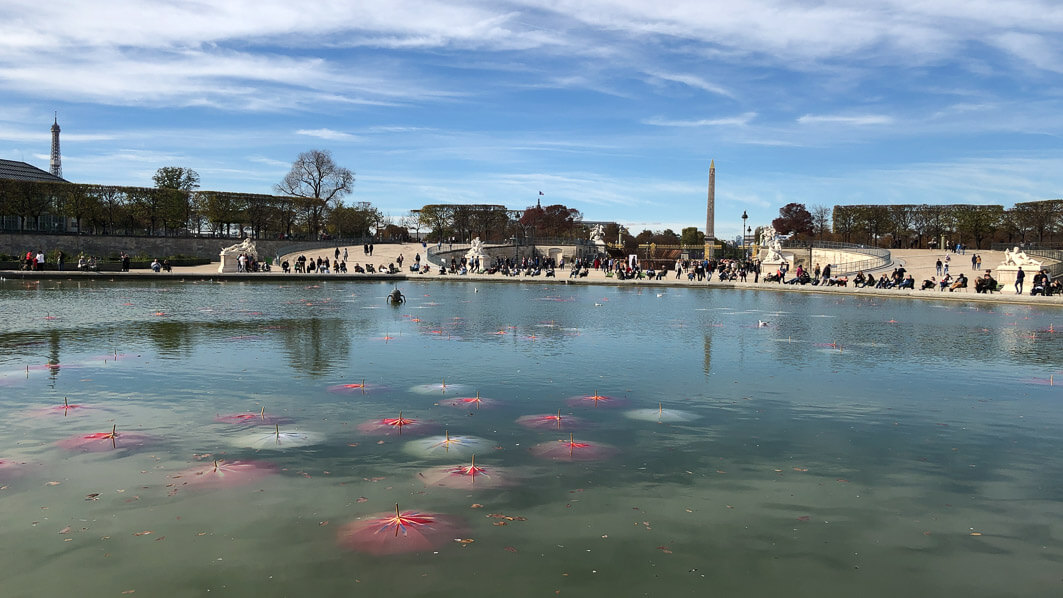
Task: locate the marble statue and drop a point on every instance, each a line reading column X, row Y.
column 230, row 256
column 598, row 234
column 1016, row 257
column 476, row 257
column 770, row 241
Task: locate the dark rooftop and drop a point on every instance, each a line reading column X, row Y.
column 20, row 171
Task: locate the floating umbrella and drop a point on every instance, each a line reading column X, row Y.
column 104, row 441
column 464, row 477
column 396, row 425
column 552, row 422
column 277, row 440
column 65, row 409
column 252, row 419
column 443, row 387
column 408, row 531
column 470, row 402
column 225, row 473
column 661, row 415
column 447, row 446
column 572, row 450
column 596, row 400
column 354, row 388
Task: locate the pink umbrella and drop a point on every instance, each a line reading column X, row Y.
column 408, row 531
column 464, row 477
column 396, row 425
column 353, row 388
column 104, row 441
column 65, row 409
column 573, row 450
column 252, row 419
column 552, row 422
column 225, row 473
column 470, row 402
column 596, row 400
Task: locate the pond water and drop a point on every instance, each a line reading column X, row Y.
column 850, row 446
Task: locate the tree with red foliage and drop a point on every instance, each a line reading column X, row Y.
column 793, row 219
column 552, row 221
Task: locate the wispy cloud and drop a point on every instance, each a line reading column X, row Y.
column 329, row 134
column 740, row 120
column 836, row 119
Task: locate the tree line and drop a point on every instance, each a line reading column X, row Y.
column 925, row 225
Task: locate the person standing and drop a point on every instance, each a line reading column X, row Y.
column 345, row 255
column 978, row 265
column 938, row 267
column 40, row 260
column 974, row 261
column 59, row 260
column 1019, row 277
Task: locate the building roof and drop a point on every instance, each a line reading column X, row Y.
column 20, row 171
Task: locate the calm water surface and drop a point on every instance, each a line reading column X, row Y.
column 854, row 446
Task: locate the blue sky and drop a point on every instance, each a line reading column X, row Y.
column 613, row 107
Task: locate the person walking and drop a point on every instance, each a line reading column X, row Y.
column 1019, row 277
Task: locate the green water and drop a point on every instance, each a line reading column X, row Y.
column 853, row 446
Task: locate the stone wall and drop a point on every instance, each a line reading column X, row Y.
column 104, row 246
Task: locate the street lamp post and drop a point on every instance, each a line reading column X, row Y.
column 744, row 217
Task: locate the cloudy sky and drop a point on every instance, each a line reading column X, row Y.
column 614, row 107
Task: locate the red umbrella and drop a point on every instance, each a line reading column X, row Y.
column 572, row 450
column 552, row 422
column 464, row 477
column 104, row 441
column 596, row 400
column 252, row 419
column 225, row 473
column 353, row 388
column 408, row 531
column 396, row 425
column 471, row 402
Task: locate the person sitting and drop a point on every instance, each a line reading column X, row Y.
column 550, row 273
column 929, row 284
column 286, row 267
column 907, row 283
column 961, row 283
column 155, row 265
column 166, row 266
column 82, row 263
column 343, row 267
column 985, row 284
column 369, row 268
column 442, row 269
column 859, row 281
column 426, row 269
column 883, row 283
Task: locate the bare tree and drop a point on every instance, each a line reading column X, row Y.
column 820, row 220
column 318, row 182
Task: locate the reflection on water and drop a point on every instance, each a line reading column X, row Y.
column 853, row 446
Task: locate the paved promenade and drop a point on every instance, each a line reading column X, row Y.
column 919, row 262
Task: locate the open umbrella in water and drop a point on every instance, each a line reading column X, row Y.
column 360, row 387
column 573, row 450
column 252, row 419
column 67, row 408
column 401, row 532
column 396, row 425
column 661, row 415
column 105, row 441
column 224, row 473
column 469, row 402
column 464, row 477
column 441, row 388
column 447, row 446
column 277, row 440
column 596, row 400
column 552, row 421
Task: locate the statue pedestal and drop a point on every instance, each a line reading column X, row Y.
column 229, row 263
column 1005, row 275
column 770, row 268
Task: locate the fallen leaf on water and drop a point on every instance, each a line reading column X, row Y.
column 160, row 538
column 129, row 592
column 52, row 483
column 93, row 496
column 361, row 499
column 143, row 533
column 476, row 505
column 664, row 549
column 805, row 518
column 65, row 530
column 509, row 549
column 976, row 533
column 500, row 523
column 800, row 469
column 323, row 523
column 352, row 444
column 843, row 480
column 464, row 540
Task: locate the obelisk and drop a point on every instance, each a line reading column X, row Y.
column 710, row 212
